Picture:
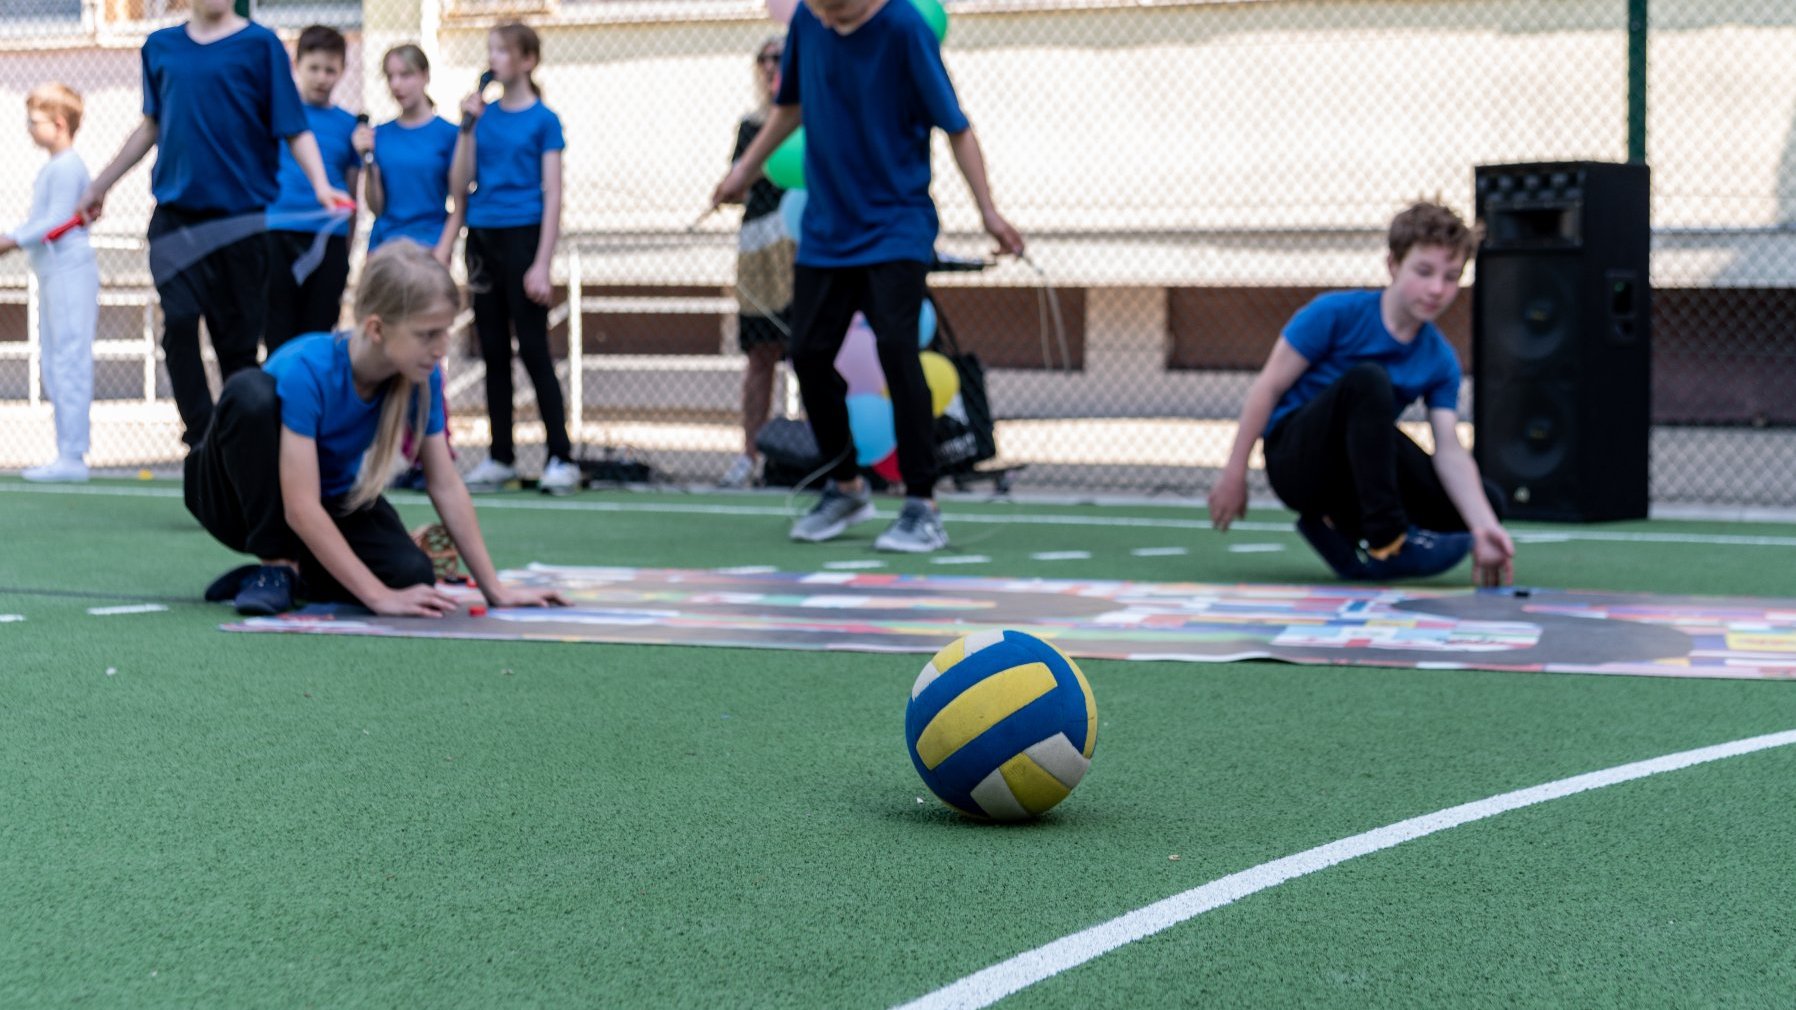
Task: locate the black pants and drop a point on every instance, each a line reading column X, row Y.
column 226, row 289
column 498, row 258
column 824, row 301
column 233, row 487
column 1340, row 456
column 314, row 305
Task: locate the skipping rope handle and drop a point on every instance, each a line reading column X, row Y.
column 77, row 221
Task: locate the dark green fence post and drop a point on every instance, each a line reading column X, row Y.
column 1637, row 80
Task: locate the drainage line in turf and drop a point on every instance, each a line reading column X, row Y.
column 983, row 988
column 84, row 594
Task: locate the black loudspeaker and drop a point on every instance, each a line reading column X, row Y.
column 1562, row 338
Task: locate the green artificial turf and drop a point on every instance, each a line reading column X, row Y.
column 274, row 820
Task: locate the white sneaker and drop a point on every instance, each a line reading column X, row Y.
column 490, row 475
column 740, row 473
column 560, row 477
column 917, row 530
column 60, row 471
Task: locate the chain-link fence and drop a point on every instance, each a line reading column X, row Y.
column 1186, row 174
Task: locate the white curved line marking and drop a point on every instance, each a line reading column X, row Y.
column 535, row 503
column 985, row 987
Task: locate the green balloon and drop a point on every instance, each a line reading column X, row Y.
column 785, row 166
column 934, row 14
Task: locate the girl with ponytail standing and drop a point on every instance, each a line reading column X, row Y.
column 511, row 153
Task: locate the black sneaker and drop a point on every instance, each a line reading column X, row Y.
column 226, row 586
column 1424, row 553
column 269, row 591
column 1334, row 547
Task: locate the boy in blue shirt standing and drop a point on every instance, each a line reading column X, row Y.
column 866, row 77
column 1372, row 502
column 313, row 304
column 218, row 99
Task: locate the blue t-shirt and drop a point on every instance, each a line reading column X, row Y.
column 318, row 400
column 414, row 175
column 870, row 99
column 508, row 165
column 1344, row 328
column 297, row 207
column 222, row 110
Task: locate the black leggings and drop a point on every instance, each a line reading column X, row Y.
column 1341, row 456
column 226, row 289
column 824, row 301
column 312, row 306
column 498, row 258
column 233, row 487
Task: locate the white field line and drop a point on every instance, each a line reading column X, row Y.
column 985, row 987
column 547, row 504
column 129, row 608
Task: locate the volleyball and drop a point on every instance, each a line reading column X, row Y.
column 1001, row 725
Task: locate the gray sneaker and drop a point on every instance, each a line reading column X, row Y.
column 833, row 513
column 917, row 530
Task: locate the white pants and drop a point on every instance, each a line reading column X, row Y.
column 69, row 309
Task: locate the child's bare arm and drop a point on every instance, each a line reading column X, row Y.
column 456, row 509
column 1493, row 552
column 537, row 285
column 971, row 160
column 141, row 141
column 305, row 151
column 781, row 123
column 1284, row 366
column 306, row 516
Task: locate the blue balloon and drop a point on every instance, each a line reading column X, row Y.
column 926, row 325
column 792, row 211
column 871, row 423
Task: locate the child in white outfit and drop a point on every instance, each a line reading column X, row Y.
column 68, row 278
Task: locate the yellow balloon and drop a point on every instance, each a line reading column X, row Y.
column 943, row 379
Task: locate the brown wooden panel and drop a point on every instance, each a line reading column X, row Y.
column 1235, row 327
column 1724, row 356
column 648, row 332
column 13, row 322
column 1004, row 325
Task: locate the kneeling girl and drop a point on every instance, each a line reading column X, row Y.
column 292, row 466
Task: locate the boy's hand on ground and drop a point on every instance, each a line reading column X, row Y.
column 525, row 596
column 1493, row 557
column 536, row 284
column 414, row 601
column 1228, row 501
column 1010, row 241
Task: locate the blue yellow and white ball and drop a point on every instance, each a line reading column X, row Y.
column 1001, row 725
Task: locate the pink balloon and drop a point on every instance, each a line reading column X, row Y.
column 781, row 10
column 858, row 360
